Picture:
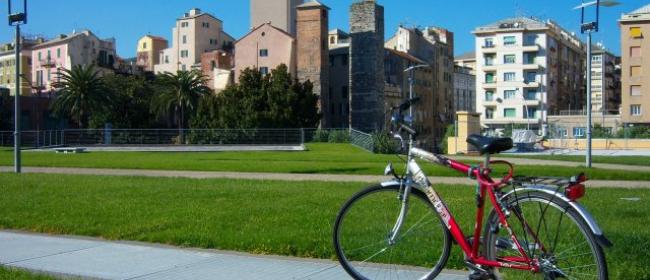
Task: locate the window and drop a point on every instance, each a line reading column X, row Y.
column 635, row 90
column 49, row 54
column 166, row 59
column 579, row 132
column 264, row 71
column 509, row 59
column 531, row 77
column 509, row 94
column 489, row 60
column 144, row 45
column 489, row 78
column 39, row 78
column 562, row 132
column 596, row 58
column 184, row 39
column 184, row 53
column 489, row 113
column 529, row 58
column 213, row 64
column 530, row 39
column 264, row 52
column 183, row 67
column 635, row 32
column 185, row 24
column 489, row 96
column 635, row 71
column 509, row 76
column 332, row 40
column 531, row 94
column 509, row 113
column 635, row 51
column 489, row 43
column 635, row 110
column 206, row 24
column 531, row 113
column 509, row 41
column 58, row 53
column 39, row 56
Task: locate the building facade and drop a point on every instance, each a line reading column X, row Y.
column 265, row 48
column 195, row 33
column 605, row 81
column 217, row 66
column 367, row 65
column 464, row 89
column 148, row 51
column 635, row 53
column 8, row 66
column 467, row 60
column 312, row 51
column 527, row 69
column 279, row 13
column 66, row 51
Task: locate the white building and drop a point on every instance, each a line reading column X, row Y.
column 605, row 81
column 526, row 69
column 195, row 33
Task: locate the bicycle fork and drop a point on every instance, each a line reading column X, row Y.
column 404, row 198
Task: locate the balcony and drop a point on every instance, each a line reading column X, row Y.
column 490, row 67
column 490, row 84
column 47, row 63
column 491, row 48
column 532, row 47
column 531, row 66
column 531, row 84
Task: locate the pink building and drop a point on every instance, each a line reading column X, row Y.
column 83, row 48
column 265, row 48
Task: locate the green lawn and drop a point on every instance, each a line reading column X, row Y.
column 15, row 274
column 628, row 160
column 320, row 158
column 267, row 217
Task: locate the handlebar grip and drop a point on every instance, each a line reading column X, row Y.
column 408, row 129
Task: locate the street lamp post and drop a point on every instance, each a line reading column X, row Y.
column 17, row 19
column 411, row 82
column 589, row 28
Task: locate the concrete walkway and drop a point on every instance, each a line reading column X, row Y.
column 281, row 176
column 545, row 162
column 98, row 259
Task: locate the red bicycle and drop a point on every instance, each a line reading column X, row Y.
column 535, row 228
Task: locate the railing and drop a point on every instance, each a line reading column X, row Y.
column 362, row 139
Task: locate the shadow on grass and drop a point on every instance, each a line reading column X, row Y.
column 350, row 170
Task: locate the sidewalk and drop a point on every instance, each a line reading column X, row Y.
column 92, row 259
column 370, row 179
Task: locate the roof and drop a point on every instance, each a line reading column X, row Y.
column 312, row 4
column 260, row 26
column 61, row 40
column 513, row 23
column 406, row 56
column 198, row 15
column 467, row 55
column 156, row 37
column 337, row 31
column 642, row 13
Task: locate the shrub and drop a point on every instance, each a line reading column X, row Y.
column 383, row 143
column 321, row 136
column 339, row 136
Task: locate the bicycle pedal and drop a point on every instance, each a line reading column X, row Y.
column 477, row 275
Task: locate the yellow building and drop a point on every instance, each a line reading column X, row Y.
column 149, row 48
column 8, row 67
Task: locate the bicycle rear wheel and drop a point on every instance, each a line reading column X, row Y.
column 363, row 228
column 551, row 233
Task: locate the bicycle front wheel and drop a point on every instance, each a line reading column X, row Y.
column 552, row 234
column 363, row 229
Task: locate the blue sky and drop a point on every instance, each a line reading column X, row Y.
column 127, row 20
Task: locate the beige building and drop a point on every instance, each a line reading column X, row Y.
column 217, row 67
column 526, row 70
column 279, row 13
column 265, row 48
column 148, row 51
column 635, row 66
column 8, row 67
column 195, row 33
column 467, row 60
column 605, row 81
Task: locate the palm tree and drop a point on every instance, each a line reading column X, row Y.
column 179, row 94
column 81, row 91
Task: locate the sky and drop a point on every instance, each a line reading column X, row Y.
column 128, row 20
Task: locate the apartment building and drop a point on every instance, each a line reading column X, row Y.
column 8, row 66
column 464, row 89
column 434, row 47
column 148, row 51
column 635, row 80
column 66, row 51
column 279, row 13
column 265, row 48
column 467, row 60
column 217, row 67
column 195, row 33
column 527, row 69
column 605, row 81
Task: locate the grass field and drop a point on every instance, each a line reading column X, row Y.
column 266, row 217
column 628, row 160
column 321, row 158
column 15, row 274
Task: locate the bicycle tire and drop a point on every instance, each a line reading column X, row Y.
column 346, row 225
column 537, row 227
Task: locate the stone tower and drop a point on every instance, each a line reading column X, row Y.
column 367, row 65
column 313, row 51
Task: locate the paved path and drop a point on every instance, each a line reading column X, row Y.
column 545, row 162
column 280, row 176
column 93, row 258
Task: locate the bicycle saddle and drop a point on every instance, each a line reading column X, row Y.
column 489, row 145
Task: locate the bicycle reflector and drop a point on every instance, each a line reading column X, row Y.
column 575, row 191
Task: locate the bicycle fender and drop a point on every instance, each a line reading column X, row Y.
column 589, row 220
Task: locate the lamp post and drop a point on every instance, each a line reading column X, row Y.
column 589, row 28
column 411, row 81
column 17, row 19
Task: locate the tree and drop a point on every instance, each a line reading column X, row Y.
column 179, row 94
column 81, row 92
column 131, row 108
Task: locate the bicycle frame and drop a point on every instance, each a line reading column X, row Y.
column 415, row 178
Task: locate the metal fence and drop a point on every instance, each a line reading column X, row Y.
column 362, row 139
